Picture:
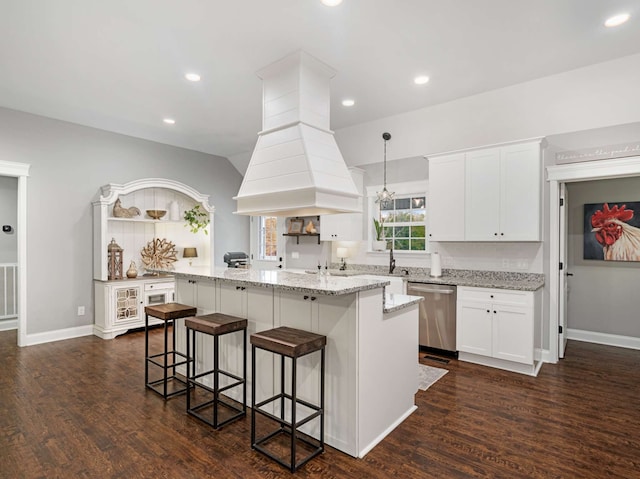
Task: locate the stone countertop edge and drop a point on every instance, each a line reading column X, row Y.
column 285, row 281
column 396, row 302
column 495, row 283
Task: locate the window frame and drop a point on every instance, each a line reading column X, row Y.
column 409, row 188
column 262, row 240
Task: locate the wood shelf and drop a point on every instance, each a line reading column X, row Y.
column 298, row 235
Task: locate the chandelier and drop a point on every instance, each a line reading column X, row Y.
column 385, row 197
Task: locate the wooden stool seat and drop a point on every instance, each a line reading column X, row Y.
column 291, row 343
column 216, row 323
column 168, row 313
column 208, row 396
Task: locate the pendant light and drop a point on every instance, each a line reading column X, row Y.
column 384, row 196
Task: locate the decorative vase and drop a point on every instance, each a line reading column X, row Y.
column 132, row 272
column 174, row 211
column 379, row 245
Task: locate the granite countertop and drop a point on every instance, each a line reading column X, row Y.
column 284, row 280
column 396, row 302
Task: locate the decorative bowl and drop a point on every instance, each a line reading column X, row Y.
column 156, row 214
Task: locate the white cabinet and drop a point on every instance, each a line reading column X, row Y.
column 345, row 226
column 446, row 198
column 498, row 324
column 503, row 193
column 119, row 305
column 200, row 293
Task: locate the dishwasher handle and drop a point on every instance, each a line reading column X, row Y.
column 422, row 289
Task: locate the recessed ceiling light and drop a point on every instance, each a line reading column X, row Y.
column 348, row 102
column 169, row 121
column 192, row 77
column 421, row 80
column 331, row 3
column 617, row 20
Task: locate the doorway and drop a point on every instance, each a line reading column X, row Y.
column 21, row 172
column 558, row 177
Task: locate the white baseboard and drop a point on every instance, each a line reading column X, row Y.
column 386, row 432
column 8, row 324
column 604, row 338
column 58, row 335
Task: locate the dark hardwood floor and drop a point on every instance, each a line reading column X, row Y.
column 78, row 409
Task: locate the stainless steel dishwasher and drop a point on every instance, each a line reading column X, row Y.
column 437, row 315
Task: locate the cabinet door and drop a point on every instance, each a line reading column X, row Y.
column 513, row 334
column 520, row 197
column 446, row 201
column 482, row 195
column 127, row 303
column 345, row 226
column 474, row 327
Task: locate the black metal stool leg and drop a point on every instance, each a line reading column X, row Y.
column 146, row 350
column 166, row 358
column 294, row 425
column 253, row 396
column 216, row 379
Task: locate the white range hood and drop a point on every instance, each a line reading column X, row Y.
column 296, row 168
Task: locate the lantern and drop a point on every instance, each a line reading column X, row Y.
column 114, row 260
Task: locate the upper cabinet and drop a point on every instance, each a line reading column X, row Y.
column 345, row 226
column 446, row 198
column 135, row 232
column 492, row 194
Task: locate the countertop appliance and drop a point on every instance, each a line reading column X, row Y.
column 437, row 315
column 236, row 259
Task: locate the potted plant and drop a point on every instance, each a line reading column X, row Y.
column 197, row 219
column 379, row 244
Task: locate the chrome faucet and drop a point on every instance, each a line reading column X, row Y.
column 392, row 261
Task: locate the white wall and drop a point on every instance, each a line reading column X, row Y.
column 8, row 216
column 600, row 95
column 603, row 295
column 69, row 163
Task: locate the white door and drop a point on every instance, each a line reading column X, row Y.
column 563, row 294
column 267, row 242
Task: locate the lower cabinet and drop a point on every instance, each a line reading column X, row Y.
column 498, row 324
column 119, row 305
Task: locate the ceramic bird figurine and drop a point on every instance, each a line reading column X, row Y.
column 120, row 212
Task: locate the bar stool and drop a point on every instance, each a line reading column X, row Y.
column 168, row 313
column 291, row 343
column 215, row 325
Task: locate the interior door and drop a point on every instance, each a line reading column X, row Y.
column 267, row 243
column 563, row 273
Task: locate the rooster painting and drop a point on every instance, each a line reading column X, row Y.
column 618, row 239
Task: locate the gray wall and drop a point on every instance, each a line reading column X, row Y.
column 603, row 295
column 69, row 163
column 8, row 216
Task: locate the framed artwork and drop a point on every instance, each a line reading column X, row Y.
column 612, row 231
column 296, row 225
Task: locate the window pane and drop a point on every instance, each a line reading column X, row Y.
column 387, row 216
column 417, row 232
column 417, row 202
column 403, row 203
column 403, row 216
column 417, row 245
column 418, row 215
column 388, row 232
column 387, row 206
column 401, row 231
column 401, row 244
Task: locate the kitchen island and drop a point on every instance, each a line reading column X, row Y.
column 371, row 355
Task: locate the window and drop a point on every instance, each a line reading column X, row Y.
column 268, row 238
column 404, row 220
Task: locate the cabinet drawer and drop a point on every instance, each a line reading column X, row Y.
column 159, row 286
column 501, row 296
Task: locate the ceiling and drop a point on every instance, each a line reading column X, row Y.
column 119, row 65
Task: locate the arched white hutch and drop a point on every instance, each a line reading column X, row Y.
column 119, row 304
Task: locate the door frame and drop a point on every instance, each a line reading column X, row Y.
column 557, row 175
column 20, row 171
column 254, row 247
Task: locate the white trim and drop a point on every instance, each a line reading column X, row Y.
column 589, row 170
column 514, row 367
column 59, row 335
column 8, row 324
column 543, row 355
column 538, row 139
column 386, row 432
column 604, row 338
column 21, row 171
